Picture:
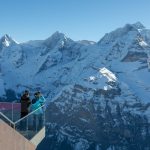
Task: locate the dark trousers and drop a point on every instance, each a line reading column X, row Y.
column 37, row 121
column 23, row 123
column 23, row 114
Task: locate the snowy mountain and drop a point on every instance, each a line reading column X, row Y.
column 97, row 93
column 6, row 41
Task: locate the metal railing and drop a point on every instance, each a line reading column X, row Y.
column 7, row 120
column 29, row 125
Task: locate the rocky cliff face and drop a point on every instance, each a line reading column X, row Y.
column 97, row 93
column 88, row 118
column 106, row 110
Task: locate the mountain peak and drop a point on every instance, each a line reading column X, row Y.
column 56, row 39
column 6, row 40
column 138, row 25
column 133, row 27
column 57, row 36
column 122, row 32
column 6, row 36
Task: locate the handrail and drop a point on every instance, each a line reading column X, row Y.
column 10, row 102
column 7, row 118
column 21, row 118
column 28, row 115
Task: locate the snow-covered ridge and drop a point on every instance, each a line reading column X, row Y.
column 57, row 39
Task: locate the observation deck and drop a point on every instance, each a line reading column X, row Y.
column 20, row 133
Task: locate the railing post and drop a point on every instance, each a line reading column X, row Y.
column 12, row 117
column 27, row 127
column 14, row 126
column 44, row 118
column 36, row 121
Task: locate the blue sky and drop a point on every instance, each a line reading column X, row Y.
column 79, row 19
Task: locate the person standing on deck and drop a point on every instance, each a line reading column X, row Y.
column 36, row 106
column 25, row 103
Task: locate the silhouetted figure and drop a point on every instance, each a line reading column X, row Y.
column 25, row 103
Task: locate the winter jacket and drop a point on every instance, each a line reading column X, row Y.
column 25, row 103
column 36, row 104
column 42, row 100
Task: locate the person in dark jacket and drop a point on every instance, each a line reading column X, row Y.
column 25, row 103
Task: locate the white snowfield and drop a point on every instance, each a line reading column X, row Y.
column 110, row 76
column 143, row 43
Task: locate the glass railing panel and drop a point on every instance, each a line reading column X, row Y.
column 6, row 109
column 11, row 110
column 31, row 124
column 16, row 110
column 22, row 127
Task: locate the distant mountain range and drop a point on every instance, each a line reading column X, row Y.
column 98, row 94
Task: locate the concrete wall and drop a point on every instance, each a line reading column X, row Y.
column 12, row 140
column 38, row 137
